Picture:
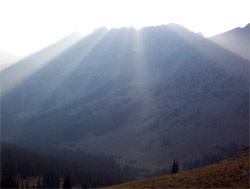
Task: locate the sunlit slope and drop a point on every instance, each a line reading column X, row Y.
column 232, row 172
column 146, row 96
column 19, row 83
column 236, row 41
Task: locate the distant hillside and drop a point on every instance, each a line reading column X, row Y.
column 236, row 40
column 232, row 172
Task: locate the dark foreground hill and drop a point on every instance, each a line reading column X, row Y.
column 143, row 96
column 232, row 172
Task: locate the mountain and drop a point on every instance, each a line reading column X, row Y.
column 7, row 59
column 235, row 40
column 31, row 64
column 232, row 172
column 144, row 96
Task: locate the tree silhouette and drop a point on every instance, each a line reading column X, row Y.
column 39, row 183
column 9, row 182
column 51, row 180
column 27, row 185
column 175, row 166
column 66, row 182
column 84, row 185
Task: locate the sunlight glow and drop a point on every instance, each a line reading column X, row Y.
column 141, row 63
column 29, row 66
column 73, row 65
column 28, row 26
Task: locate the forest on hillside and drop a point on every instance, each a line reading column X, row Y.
column 55, row 168
column 83, row 169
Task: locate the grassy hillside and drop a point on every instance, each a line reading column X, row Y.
column 232, row 172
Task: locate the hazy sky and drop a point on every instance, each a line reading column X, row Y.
column 30, row 25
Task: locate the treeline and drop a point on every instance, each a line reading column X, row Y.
column 26, row 163
column 50, row 180
column 84, row 169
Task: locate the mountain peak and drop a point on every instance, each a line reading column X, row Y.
column 75, row 34
column 247, row 26
column 101, row 29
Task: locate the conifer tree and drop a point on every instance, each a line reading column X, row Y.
column 66, row 182
column 84, row 185
column 173, row 167
column 94, row 184
column 9, row 182
column 27, row 185
column 51, row 180
column 177, row 166
column 38, row 183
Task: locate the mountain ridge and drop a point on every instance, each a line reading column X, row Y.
column 143, row 96
column 235, row 40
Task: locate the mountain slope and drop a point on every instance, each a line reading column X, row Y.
column 236, row 41
column 144, row 96
column 14, row 80
column 232, row 172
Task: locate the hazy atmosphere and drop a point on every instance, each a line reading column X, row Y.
column 28, row 26
column 124, row 94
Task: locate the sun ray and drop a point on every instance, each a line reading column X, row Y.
column 73, row 64
column 32, row 64
column 140, row 60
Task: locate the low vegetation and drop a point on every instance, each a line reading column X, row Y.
column 233, row 172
